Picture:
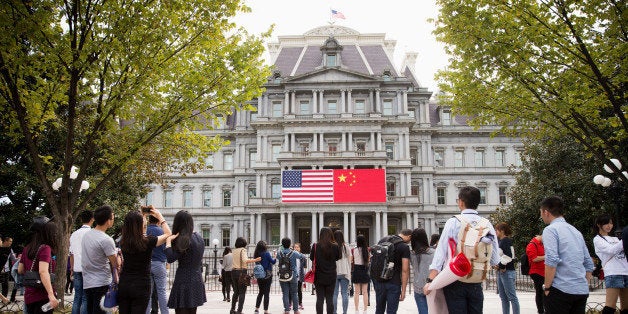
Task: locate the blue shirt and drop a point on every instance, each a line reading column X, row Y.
column 451, row 229
column 267, row 261
column 158, row 252
column 566, row 251
column 296, row 272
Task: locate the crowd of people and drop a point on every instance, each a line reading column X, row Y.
column 559, row 265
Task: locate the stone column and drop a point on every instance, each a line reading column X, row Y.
column 371, row 101
column 293, row 142
column 343, row 142
column 345, row 225
column 289, row 226
column 286, row 104
column 349, row 102
column 293, row 102
column 314, row 143
column 282, row 225
column 342, row 101
column 321, row 220
column 258, row 228
column 322, row 101
column 379, row 140
column 350, row 142
column 236, row 232
column 314, row 103
column 372, row 141
column 260, row 104
column 400, row 102
column 314, row 231
column 378, row 227
column 378, row 104
column 352, row 229
column 385, row 223
column 258, row 158
column 252, row 231
column 404, row 96
column 409, row 221
column 321, row 143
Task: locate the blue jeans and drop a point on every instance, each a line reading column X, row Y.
column 386, row 296
column 464, row 298
column 159, row 282
column 79, row 305
column 289, row 291
column 342, row 283
column 507, row 293
column 421, row 302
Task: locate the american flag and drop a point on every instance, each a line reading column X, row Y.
column 337, row 14
column 307, row 186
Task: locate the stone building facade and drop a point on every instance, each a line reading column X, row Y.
column 335, row 101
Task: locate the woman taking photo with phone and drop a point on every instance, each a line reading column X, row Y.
column 134, row 287
column 326, row 252
column 610, row 250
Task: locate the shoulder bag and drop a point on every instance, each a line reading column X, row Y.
column 311, row 274
column 245, row 278
column 110, row 299
column 32, row 278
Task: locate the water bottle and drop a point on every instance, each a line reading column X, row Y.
column 47, row 307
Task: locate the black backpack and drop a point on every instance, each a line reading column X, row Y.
column 382, row 254
column 285, row 266
column 525, row 263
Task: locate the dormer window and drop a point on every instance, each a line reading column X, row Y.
column 387, row 75
column 277, row 77
column 331, row 52
column 331, row 60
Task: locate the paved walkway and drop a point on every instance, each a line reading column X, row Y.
column 492, row 303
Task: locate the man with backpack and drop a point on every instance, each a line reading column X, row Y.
column 289, row 269
column 390, row 270
column 476, row 237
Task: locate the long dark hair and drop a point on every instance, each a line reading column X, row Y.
column 183, row 224
column 418, row 241
column 47, row 235
column 326, row 242
column 601, row 220
column 340, row 240
column 226, row 251
column 260, row 248
column 360, row 242
column 133, row 239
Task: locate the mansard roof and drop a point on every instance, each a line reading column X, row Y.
column 369, row 54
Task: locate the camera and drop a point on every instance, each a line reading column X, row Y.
column 146, row 209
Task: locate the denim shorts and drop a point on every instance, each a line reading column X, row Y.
column 616, row 281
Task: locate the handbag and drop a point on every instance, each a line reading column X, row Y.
column 245, row 278
column 311, row 274
column 110, row 299
column 31, row 277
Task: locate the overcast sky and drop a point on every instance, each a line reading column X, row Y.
column 402, row 20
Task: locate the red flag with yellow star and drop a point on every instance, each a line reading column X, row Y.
column 359, row 185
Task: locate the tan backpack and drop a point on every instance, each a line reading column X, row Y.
column 478, row 253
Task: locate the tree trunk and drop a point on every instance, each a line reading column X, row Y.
column 64, row 229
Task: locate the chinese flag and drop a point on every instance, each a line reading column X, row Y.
column 359, row 186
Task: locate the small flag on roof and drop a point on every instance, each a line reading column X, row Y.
column 337, row 14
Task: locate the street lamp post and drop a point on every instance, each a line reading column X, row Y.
column 615, row 190
column 215, row 271
column 73, row 175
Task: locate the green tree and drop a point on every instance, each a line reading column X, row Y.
column 554, row 167
column 540, row 68
column 121, row 88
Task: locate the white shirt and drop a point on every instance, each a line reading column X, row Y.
column 610, row 250
column 75, row 246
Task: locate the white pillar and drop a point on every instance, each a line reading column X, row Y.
column 409, row 221
column 385, row 223
column 404, row 96
column 235, row 229
column 286, row 104
column 314, row 231
column 416, row 222
column 322, row 101
column 379, row 140
column 293, row 102
column 342, row 101
column 293, row 142
column 378, row 227
column 399, row 103
column 353, row 230
column 371, row 106
column 314, row 104
column 289, row 226
column 321, row 143
column 372, row 141
column 321, row 220
column 314, row 143
column 343, row 142
column 345, row 225
column 349, row 102
column 258, row 228
column 252, row 230
column 350, row 142
column 258, row 185
column 286, row 142
column 378, row 105
column 282, row 226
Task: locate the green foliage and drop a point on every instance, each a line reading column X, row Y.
column 119, row 89
column 548, row 68
column 554, row 167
